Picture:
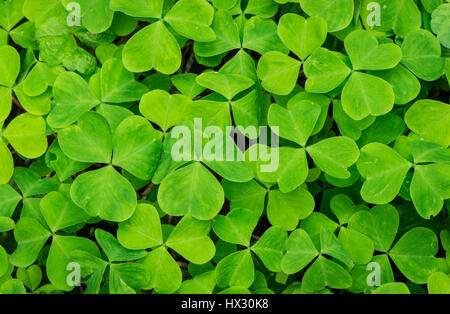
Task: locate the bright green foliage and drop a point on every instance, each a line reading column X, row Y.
column 224, row 146
column 192, row 189
column 427, row 123
column 440, row 24
column 338, row 14
column 422, row 55
column 104, row 193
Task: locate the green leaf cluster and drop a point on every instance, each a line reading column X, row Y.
column 355, row 91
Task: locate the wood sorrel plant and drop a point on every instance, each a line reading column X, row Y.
column 345, row 191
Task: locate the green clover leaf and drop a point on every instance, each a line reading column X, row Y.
column 139, row 8
column 286, row 209
column 439, row 23
column 366, row 53
column 91, row 19
column 438, row 283
column 137, row 147
column 302, row 36
column 327, row 10
column 422, row 55
column 31, row 236
column 26, row 133
column 434, row 127
column 392, row 288
column 228, row 85
column 236, row 227
column 414, row 254
column 227, row 36
column 194, row 26
column 163, row 109
column 166, row 57
column 384, row 170
column 189, row 238
column 237, row 269
column 203, row 188
column 384, row 177
column 325, row 71
column 90, row 140
column 73, row 98
column 92, row 191
column 323, row 272
column 401, row 17
column 123, row 277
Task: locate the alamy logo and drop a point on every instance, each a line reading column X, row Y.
column 374, row 17
column 74, row 17
column 74, row 277
column 214, row 144
column 374, row 277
